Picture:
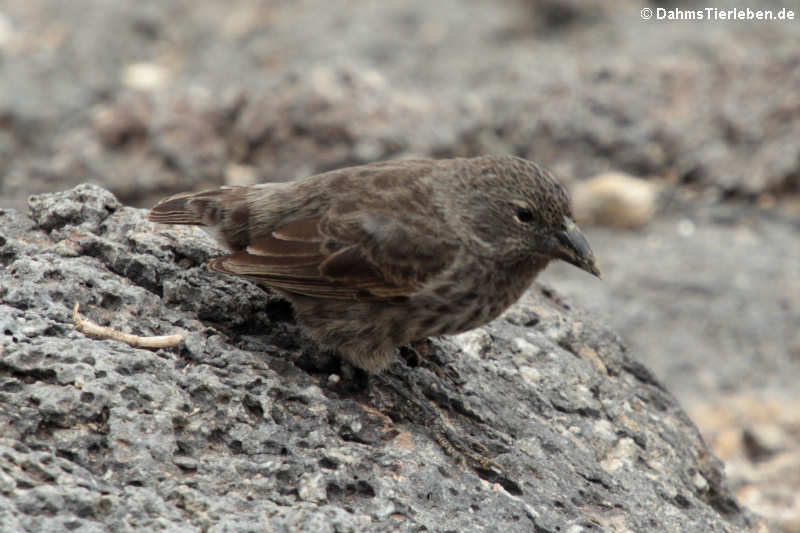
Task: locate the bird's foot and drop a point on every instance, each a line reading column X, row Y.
column 413, row 358
column 422, row 353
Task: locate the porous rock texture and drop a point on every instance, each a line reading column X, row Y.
column 244, row 427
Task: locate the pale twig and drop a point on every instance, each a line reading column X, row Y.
column 88, row 327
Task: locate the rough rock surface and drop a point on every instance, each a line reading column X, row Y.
column 151, row 97
column 708, row 297
column 245, row 428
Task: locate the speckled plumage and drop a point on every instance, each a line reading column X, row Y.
column 375, row 256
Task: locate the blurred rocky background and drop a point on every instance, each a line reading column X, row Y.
column 681, row 141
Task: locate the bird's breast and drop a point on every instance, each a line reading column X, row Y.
column 473, row 296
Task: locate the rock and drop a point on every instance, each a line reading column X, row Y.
column 614, row 199
column 144, row 76
column 537, row 78
column 237, row 431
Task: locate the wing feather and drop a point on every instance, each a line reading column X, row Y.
column 298, row 260
column 356, row 246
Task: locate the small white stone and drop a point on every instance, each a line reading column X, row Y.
column 700, row 482
column 686, row 228
column 144, row 76
column 615, row 199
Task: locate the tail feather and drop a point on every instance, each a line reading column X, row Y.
column 204, row 208
column 175, row 210
column 222, row 212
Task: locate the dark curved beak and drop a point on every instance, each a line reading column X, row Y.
column 572, row 247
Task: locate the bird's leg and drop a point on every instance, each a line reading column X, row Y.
column 416, row 407
column 413, row 358
column 422, row 353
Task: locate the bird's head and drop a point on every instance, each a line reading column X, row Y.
column 519, row 212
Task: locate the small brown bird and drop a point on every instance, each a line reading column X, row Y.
column 375, row 256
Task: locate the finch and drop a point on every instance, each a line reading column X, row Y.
column 373, row 257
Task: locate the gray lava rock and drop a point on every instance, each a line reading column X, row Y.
column 236, row 431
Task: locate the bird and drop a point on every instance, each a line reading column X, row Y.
column 376, row 256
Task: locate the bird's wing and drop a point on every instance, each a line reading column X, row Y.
column 352, row 255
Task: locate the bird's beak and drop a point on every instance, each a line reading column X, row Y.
column 571, row 246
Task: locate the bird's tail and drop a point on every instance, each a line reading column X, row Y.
column 198, row 209
column 223, row 212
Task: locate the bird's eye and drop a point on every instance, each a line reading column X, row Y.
column 524, row 215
